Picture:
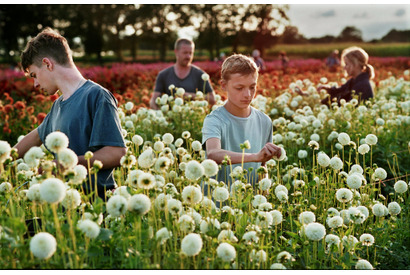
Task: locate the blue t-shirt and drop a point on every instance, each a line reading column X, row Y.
column 191, row 83
column 89, row 118
column 233, row 131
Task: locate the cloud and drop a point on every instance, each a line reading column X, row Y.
column 400, row 12
column 329, row 13
column 362, row 15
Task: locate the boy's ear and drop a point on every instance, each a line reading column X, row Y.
column 223, row 83
column 48, row 63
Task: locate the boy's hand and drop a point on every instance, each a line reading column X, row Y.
column 268, row 151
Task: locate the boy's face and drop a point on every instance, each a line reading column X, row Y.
column 42, row 78
column 241, row 89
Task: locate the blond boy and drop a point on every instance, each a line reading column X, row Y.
column 228, row 126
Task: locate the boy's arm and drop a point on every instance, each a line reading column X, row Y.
column 110, row 157
column 30, row 140
column 214, row 152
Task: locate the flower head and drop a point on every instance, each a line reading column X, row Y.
column 210, row 167
column 117, row 205
column 379, row 174
column 220, row 194
column 52, row 190
column 394, row 208
column 33, row 156
column 343, row 138
column 194, row 170
column 146, row 159
column 400, row 187
column 363, row 265
column 307, row 217
column 140, row 204
column 344, row 195
column 56, row 141
column 72, row 199
column 5, row 150
column 315, row 231
column 336, row 163
column 89, row 228
column 363, row 149
column 205, row 77
column 146, row 181
column 5, row 187
column 367, row 239
column 192, row 194
column 371, row 139
column 67, row 158
column 191, row 244
column 323, row 159
column 43, row 245
column 163, row 234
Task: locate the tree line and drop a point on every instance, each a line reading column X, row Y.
column 97, row 28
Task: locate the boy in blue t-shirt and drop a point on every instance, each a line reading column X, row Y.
column 85, row 112
column 228, row 126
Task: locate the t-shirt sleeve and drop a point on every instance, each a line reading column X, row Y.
column 106, row 129
column 160, row 83
column 211, row 129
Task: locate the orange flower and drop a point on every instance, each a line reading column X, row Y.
column 8, row 108
column 30, row 110
column 20, row 105
column 40, row 117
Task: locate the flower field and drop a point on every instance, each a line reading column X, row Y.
column 339, row 199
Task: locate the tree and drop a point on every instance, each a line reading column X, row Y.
column 291, row 35
column 397, row 36
column 350, row 34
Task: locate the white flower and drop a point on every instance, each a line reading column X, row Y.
column 257, row 200
column 323, row 159
column 343, row 138
column 137, row 140
column 56, row 141
column 146, row 159
column 307, row 217
column 43, row 245
column 210, row 167
column 196, row 146
column 186, row 134
column 67, row 158
column 186, row 223
column 179, row 142
column 162, row 164
column 354, row 180
column 277, row 266
column 336, row 163
column 146, row 181
column 5, row 187
column 174, row 206
column 315, row 231
column 192, row 194
column 128, row 106
column 276, row 217
column 194, row 170
column 323, row 80
column 205, row 77
column 282, row 196
column 394, row 208
column 72, row 199
column 163, row 235
column 332, row 239
column 33, row 193
column 207, row 203
column 191, row 244
column 117, row 206
column 89, row 228
column 400, row 186
column 80, row 173
column 122, row 191
column 264, row 219
column 378, row 210
column 33, row 156
column 335, row 222
column 379, row 174
column 167, row 138
column 52, row 190
column 209, row 224
column 220, row 194
column 281, row 188
column 344, row 195
column 227, row 235
column 356, row 168
column 371, row 139
column 302, row 154
column 250, row 237
column 284, row 256
column 140, row 204
column 349, row 241
column 363, row 149
column 367, row 239
column 363, row 265
column 265, row 184
column 5, row 150
column 282, row 155
column 259, row 256
column 226, row 252
column 159, row 146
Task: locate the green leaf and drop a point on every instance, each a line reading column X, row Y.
column 105, row 234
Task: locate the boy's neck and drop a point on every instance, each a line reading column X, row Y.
column 239, row 112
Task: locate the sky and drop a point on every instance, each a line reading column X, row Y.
column 374, row 20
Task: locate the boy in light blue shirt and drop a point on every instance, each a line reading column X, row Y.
column 229, row 126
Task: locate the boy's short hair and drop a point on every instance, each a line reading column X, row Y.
column 48, row 43
column 181, row 41
column 238, row 63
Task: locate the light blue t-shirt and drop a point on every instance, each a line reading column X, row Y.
column 89, row 118
column 233, row 131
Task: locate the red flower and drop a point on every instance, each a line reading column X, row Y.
column 41, row 117
column 20, row 105
column 8, row 108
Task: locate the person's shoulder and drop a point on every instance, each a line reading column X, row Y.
column 261, row 115
column 166, row 70
column 218, row 114
column 95, row 91
column 197, row 69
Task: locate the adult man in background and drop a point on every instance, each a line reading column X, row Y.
column 183, row 74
